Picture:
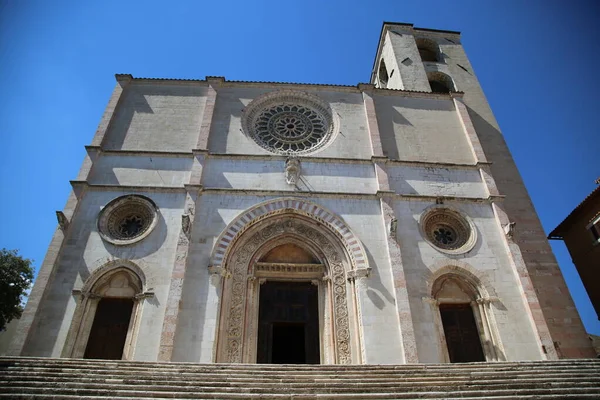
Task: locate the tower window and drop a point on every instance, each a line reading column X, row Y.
column 383, row 75
column 438, row 87
column 594, row 228
column 428, row 50
column 440, row 83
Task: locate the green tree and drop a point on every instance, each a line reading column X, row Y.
column 16, row 275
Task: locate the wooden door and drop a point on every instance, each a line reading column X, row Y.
column 461, row 333
column 288, row 329
column 109, row 330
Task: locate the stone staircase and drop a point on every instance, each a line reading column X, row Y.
column 48, row 378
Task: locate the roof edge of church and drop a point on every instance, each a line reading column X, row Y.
column 221, row 79
column 418, row 28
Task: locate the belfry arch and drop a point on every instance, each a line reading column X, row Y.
column 336, row 258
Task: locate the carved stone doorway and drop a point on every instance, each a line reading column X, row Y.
column 109, row 330
column 461, row 333
column 288, row 329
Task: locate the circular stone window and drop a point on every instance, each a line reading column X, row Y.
column 448, row 231
column 127, row 219
column 289, row 122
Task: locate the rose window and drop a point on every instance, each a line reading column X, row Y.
column 127, row 219
column 289, row 122
column 448, row 230
column 444, row 235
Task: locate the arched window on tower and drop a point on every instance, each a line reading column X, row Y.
column 440, row 83
column 383, row 75
column 428, row 50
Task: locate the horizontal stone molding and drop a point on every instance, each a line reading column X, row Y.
column 286, row 270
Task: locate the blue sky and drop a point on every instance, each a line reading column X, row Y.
column 536, row 61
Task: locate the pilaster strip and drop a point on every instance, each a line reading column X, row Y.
column 167, row 337
column 467, row 124
column 383, row 181
column 407, row 330
column 528, row 294
column 107, row 117
column 207, row 116
column 372, row 124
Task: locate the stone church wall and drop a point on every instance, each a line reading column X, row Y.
column 488, row 260
column 154, row 116
column 160, row 144
column 141, row 170
column 85, row 251
column 267, row 174
column 421, row 129
column 436, row 181
column 227, row 137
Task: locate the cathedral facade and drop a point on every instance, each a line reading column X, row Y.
column 263, row 222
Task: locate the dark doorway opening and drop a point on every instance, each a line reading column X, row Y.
column 288, row 328
column 461, row 333
column 109, row 330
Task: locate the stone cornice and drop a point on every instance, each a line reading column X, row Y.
column 275, row 157
column 128, row 188
column 78, row 185
column 140, row 153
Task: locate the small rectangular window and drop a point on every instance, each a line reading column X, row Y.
column 594, row 228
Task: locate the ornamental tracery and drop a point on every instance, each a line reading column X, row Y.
column 127, row 219
column 289, row 122
column 448, row 230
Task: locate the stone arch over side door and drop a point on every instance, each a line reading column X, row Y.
column 98, row 286
column 296, row 220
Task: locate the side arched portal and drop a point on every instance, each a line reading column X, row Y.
column 245, row 261
column 108, row 311
column 464, row 317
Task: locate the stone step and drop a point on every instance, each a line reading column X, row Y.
column 281, row 377
column 81, row 363
column 226, row 380
column 379, row 396
column 208, row 369
column 25, row 378
column 303, row 389
column 112, row 393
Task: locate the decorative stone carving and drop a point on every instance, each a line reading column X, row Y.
column 292, row 170
column 236, row 312
column 289, row 122
column 359, row 273
column 63, row 221
column 186, row 224
column 509, row 229
column 298, row 270
column 127, row 219
column 393, row 226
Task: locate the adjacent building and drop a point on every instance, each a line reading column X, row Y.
column 581, row 233
column 245, row 222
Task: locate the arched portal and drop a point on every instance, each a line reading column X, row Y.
column 464, row 317
column 107, row 315
column 299, row 244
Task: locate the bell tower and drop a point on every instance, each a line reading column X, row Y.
column 434, row 61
